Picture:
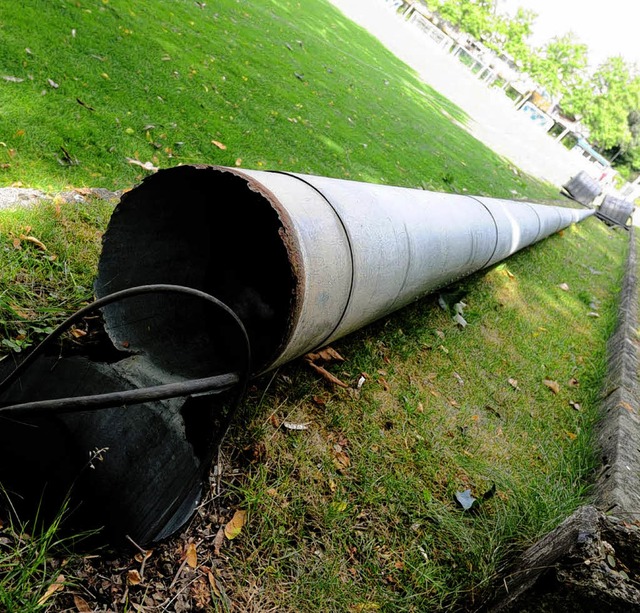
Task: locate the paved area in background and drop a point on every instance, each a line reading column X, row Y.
column 493, row 119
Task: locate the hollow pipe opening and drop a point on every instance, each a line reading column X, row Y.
column 204, row 228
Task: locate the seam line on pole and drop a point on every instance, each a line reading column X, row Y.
column 349, row 244
column 495, row 223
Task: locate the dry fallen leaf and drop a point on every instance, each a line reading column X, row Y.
column 626, row 405
column 461, row 321
column 56, row 586
column 34, row 241
column 234, row 527
column 191, row 555
column 552, row 385
column 290, row 425
column 564, row 287
column 82, row 606
column 319, row 401
column 326, row 374
column 571, row 435
column 218, row 541
column 514, row 384
column 326, row 354
column 133, row 577
column 573, row 382
column 77, row 333
column 341, row 460
column 214, row 584
column 146, row 165
column 575, row 406
column 218, row 144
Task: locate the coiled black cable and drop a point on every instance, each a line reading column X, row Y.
column 215, row 384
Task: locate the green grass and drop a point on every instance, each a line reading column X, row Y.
column 385, row 531
column 280, row 84
column 27, row 568
column 41, row 284
column 357, row 513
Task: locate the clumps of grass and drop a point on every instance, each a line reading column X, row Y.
column 49, row 257
column 30, row 575
column 359, row 513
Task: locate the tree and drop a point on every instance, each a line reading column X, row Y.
column 611, row 116
column 517, row 31
column 476, row 17
column 560, row 65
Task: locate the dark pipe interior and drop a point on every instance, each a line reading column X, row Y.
column 202, row 228
column 197, row 227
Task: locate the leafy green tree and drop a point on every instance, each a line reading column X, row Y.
column 476, row 17
column 517, row 31
column 560, row 65
column 611, row 116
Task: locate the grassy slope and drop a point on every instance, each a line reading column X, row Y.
column 439, row 414
column 382, row 531
column 278, row 85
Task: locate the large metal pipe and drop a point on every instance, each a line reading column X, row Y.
column 303, row 259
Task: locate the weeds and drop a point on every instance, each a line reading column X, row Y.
column 29, row 573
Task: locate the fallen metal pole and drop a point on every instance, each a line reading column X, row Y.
column 300, row 260
column 305, row 260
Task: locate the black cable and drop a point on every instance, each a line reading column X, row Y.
column 216, row 383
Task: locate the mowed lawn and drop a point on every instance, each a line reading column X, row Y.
column 86, row 85
column 358, row 511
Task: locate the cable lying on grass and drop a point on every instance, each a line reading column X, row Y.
column 299, row 260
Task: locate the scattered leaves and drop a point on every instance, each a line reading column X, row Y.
column 146, row 165
column 554, row 386
column 513, row 383
column 77, row 332
column 325, row 355
column 218, row 541
column 191, row 555
column 575, row 406
column 82, row 606
column 341, row 460
column 56, row 586
column 625, row 405
column 465, row 499
column 234, row 527
column 290, row 425
column 133, row 577
column 34, row 241
column 218, row 144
